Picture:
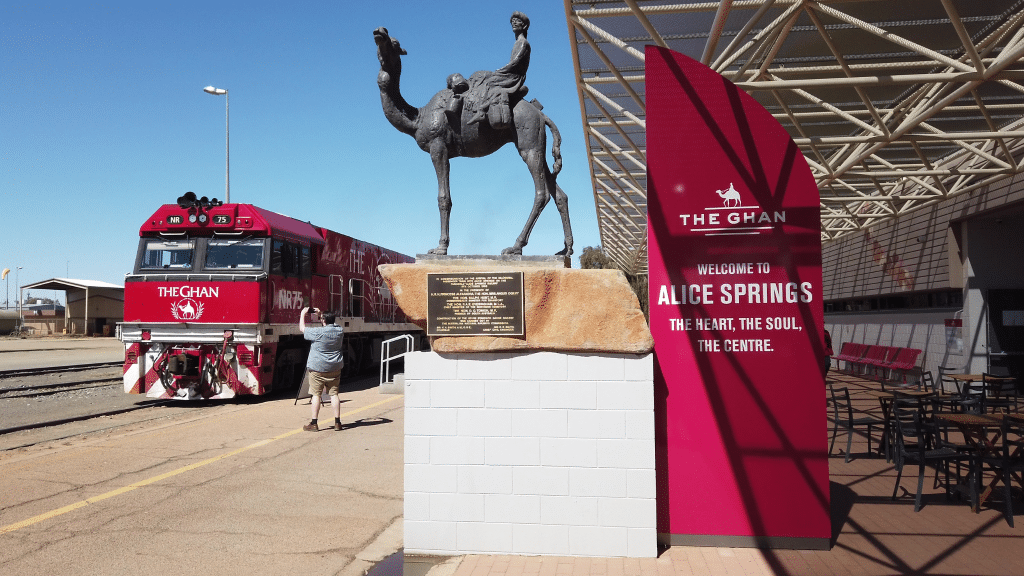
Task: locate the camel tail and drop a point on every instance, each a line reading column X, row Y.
column 556, row 143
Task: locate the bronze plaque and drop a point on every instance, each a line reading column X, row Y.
column 475, row 304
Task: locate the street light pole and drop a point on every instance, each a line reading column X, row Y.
column 227, row 138
column 17, row 284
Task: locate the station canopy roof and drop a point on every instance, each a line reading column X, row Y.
column 70, row 284
column 895, row 105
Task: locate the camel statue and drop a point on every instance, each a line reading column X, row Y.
column 443, row 128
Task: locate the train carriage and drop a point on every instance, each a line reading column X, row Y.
column 212, row 305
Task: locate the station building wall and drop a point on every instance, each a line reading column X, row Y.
column 896, row 284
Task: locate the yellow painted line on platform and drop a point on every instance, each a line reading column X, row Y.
column 154, row 479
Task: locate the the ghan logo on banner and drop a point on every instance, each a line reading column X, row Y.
column 732, row 218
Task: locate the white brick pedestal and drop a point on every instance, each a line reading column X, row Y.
column 529, row 453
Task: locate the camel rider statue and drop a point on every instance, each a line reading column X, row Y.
column 504, row 84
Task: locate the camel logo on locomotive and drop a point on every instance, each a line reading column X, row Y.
column 187, row 309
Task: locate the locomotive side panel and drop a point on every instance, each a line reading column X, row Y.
column 355, row 286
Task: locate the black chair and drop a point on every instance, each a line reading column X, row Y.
column 942, row 400
column 1000, row 393
column 1011, row 464
column 972, row 398
column 842, row 416
column 917, row 441
column 947, row 384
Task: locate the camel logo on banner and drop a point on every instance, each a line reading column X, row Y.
column 187, row 309
column 732, row 217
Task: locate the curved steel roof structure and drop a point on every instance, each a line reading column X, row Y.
column 895, row 105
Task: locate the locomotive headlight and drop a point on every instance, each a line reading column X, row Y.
column 203, row 218
column 192, row 218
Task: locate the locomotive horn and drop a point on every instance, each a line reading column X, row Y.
column 187, row 201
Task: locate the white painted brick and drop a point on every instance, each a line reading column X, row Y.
column 640, row 424
column 417, row 449
column 512, row 451
column 568, row 510
column 596, row 367
column 568, row 452
column 540, row 423
column 641, row 542
column 628, row 512
column 575, row 394
column 597, row 541
column 540, row 539
column 485, row 479
column 625, row 453
column 430, row 478
column 625, row 396
column 417, row 393
column 641, row 483
column 485, row 366
column 416, row 506
column 597, row 424
column 457, row 394
column 429, row 536
column 482, row 537
column 456, row 450
column 457, row 507
column 542, row 480
column 540, row 366
column 514, row 509
column 640, row 368
column 509, row 394
column 609, row 482
column 484, row 422
column 429, row 366
column 430, row 421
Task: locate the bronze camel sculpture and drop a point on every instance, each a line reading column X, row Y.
column 443, row 128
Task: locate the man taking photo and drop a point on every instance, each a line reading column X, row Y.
column 324, row 363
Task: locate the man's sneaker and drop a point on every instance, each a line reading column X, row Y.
column 337, row 426
column 311, row 428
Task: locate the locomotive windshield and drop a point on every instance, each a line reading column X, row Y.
column 244, row 254
column 163, row 254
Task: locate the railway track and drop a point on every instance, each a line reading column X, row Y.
column 33, row 390
column 20, row 372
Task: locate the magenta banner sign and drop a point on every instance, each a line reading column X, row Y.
column 737, row 317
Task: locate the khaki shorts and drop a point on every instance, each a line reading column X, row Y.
column 320, row 380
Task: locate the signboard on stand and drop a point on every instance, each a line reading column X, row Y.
column 737, row 317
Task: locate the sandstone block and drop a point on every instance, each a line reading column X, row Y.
column 566, row 310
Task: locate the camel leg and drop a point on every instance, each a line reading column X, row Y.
column 439, row 155
column 537, row 164
column 562, row 203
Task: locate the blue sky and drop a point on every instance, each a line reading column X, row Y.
column 103, row 119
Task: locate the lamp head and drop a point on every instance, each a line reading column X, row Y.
column 215, row 91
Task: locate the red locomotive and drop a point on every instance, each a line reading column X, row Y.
column 212, row 307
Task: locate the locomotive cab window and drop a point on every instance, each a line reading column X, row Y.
column 235, row 254
column 290, row 259
column 160, row 254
